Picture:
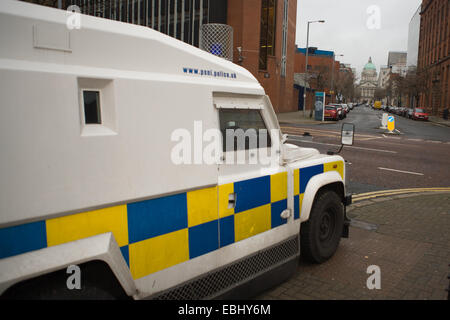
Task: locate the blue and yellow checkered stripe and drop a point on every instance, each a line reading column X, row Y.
column 302, row 177
column 158, row 233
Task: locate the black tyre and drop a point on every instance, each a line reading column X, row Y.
column 321, row 234
column 98, row 282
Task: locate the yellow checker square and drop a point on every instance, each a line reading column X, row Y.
column 278, row 187
column 83, row 225
column 224, row 192
column 296, row 182
column 202, row 206
column 334, row 166
column 252, row 222
column 158, row 253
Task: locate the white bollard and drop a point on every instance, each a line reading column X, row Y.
column 384, row 121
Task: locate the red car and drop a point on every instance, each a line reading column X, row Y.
column 419, row 114
column 331, row 112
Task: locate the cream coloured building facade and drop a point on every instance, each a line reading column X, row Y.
column 369, row 81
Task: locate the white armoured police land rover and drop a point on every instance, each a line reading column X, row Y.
column 106, row 133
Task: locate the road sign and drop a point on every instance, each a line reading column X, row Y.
column 391, row 123
column 319, row 106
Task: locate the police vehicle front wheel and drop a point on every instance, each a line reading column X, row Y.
column 321, row 234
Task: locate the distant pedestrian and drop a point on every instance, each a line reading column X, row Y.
column 446, row 114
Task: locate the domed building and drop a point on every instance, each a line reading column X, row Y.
column 369, row 81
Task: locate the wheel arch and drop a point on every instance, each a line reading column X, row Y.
column 325, row 181
column 100, row 250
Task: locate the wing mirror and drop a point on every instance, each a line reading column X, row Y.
column 347, row 134
column 347, row 137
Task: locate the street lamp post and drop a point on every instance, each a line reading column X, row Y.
column 332, row 74
column 306, row 67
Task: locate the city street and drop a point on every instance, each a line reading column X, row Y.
column 406, row 236
column 419, row 156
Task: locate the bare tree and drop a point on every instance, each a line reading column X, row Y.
column 345, row 85
column 321, row 76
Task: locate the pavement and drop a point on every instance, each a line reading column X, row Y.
column 298, row 118
column 406, row 236
column 439, row 121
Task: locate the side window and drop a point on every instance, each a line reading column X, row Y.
column 243, row 130
column 91, row 103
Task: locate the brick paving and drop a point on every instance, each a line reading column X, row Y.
column 411, row 245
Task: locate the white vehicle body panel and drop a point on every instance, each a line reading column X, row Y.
column 57, row 173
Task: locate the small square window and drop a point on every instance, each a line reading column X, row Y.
column 92, row 114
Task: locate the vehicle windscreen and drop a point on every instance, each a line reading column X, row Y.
column 420, row 110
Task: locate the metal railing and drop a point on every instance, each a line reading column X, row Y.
column 181, row 19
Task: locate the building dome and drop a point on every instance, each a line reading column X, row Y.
column 369, row 65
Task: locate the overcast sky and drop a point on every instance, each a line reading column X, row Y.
column 346, row 28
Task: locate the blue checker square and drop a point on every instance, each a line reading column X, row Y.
column 152, row 218
column 252, row 193
column 307, row 173
column 24, row 238
column 276, row 209
column 296, row 207
column 203, row 238
column 226, row 231
column 125, row 254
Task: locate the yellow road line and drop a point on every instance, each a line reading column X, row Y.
column 371, row 195
column 402, row 190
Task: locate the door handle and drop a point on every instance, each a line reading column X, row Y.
column 232, row 201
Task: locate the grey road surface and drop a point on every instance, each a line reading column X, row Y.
column 419, row 156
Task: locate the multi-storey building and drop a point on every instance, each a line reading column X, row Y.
column 434, row 55
column 321, row 63
column 413, row 40
column 263, row 32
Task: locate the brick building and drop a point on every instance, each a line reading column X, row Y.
column 263, row 30
column 434, row 55
column 320, row 64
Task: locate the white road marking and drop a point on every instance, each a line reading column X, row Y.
column 414, row 139
column 432, row 141
column 401, row 171
column 298, row 138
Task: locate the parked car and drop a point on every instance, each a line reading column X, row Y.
column 419, row 114
column 400, row 111
column 331, row 112
column 341, row 112
column 346, row 109
column 409, row 113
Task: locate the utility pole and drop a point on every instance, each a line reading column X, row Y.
column 306, row 80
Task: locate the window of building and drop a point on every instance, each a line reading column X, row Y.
column 92, row 111
column 253, row 133
column 267, row 36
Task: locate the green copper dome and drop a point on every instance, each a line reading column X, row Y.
column 369, row 65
